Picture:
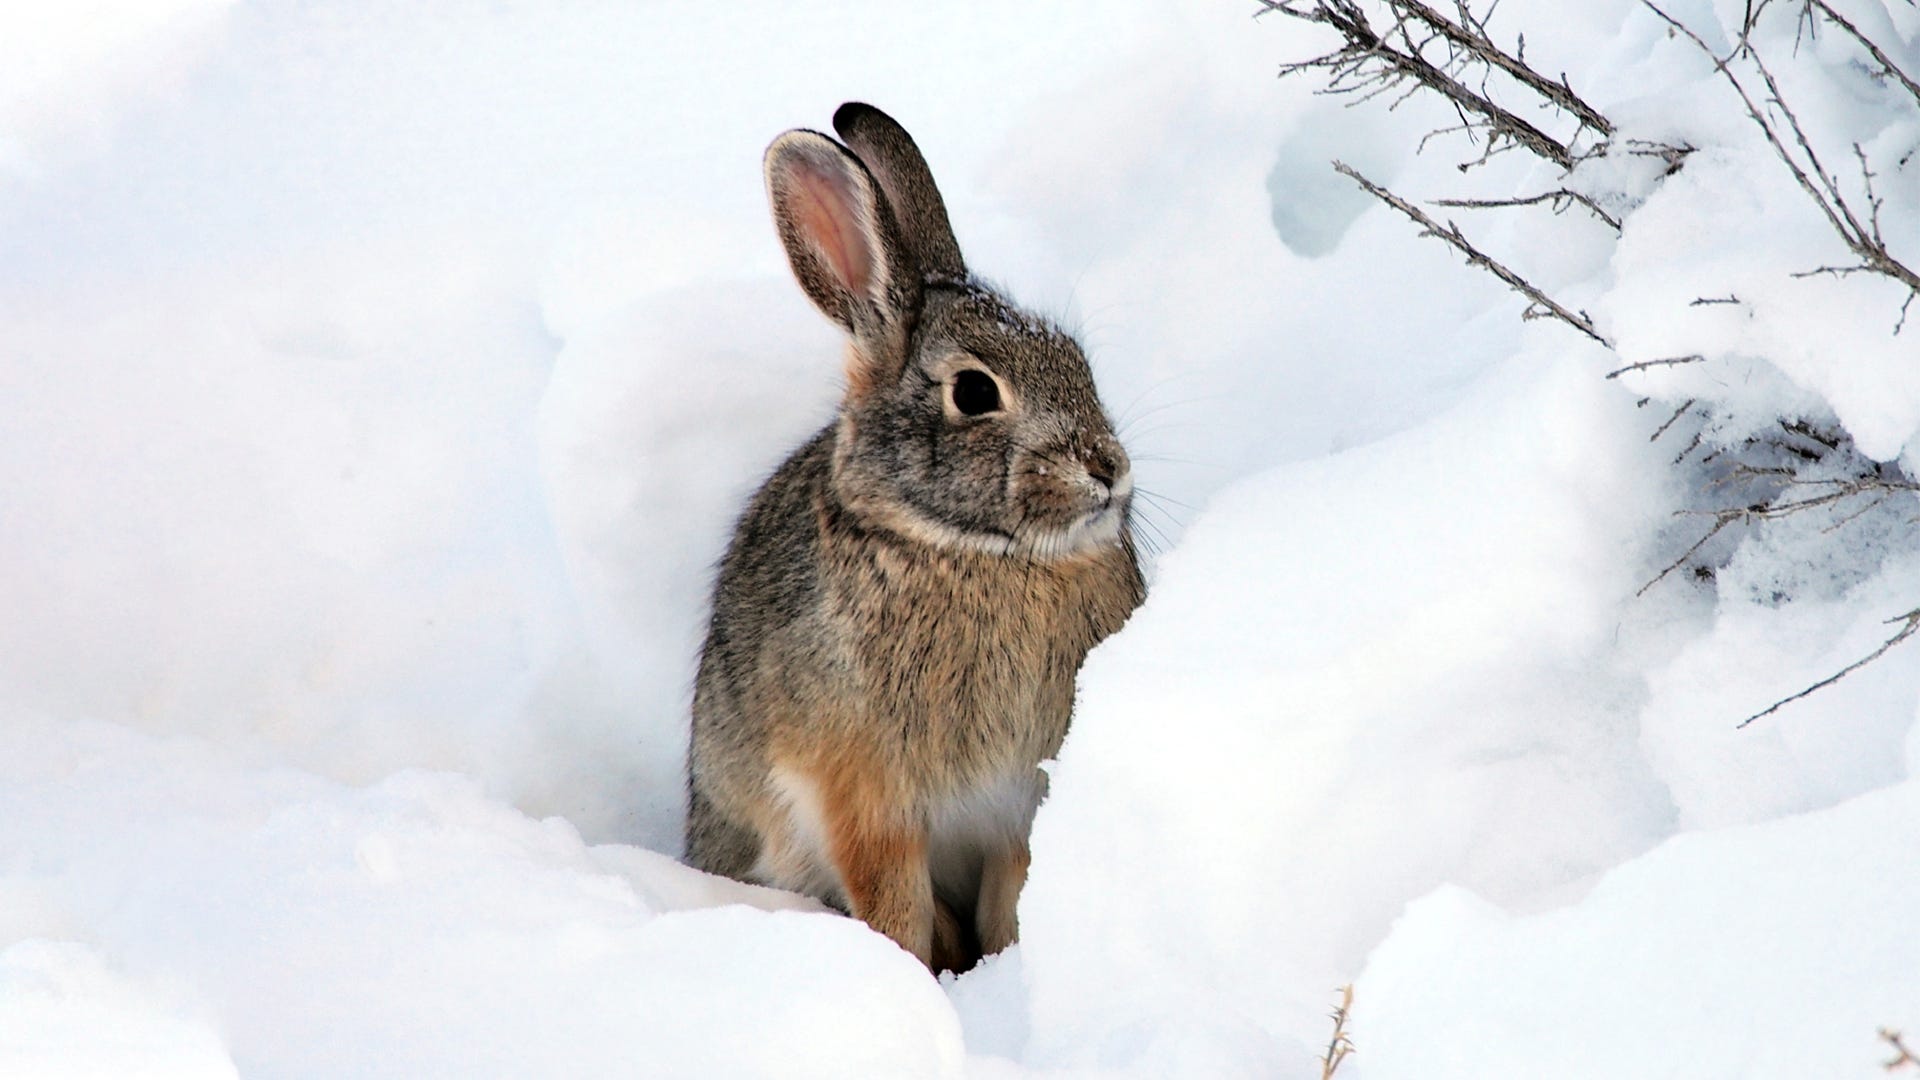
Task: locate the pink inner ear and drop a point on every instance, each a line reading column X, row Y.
column 826, row 207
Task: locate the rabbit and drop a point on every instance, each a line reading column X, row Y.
column 905, row 604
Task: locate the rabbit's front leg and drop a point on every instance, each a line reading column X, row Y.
column 954, row 946
column 1002, row 874
column 879, row 849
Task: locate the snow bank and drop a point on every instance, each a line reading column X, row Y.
column 68, row 70
column 1283, row 749
column 1770, row 950
column 411, row 928
column 65, row 1013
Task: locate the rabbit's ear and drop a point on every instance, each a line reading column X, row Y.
column 886, row 149
column 844, row 247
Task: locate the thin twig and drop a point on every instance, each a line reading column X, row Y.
column 1843, row 522
column 1674, row 156
column 1472, row 38
column 1886, row 63
column 1862, row 238
column 1830, row 491
column 1369, row 61
column 1667, row 361
column 1671, row 420
column 1452, row 235
column 1684, row 556
column 1911, row 621
column 1828, row 439
column 1902, row 1056
column 1339, row 1046
column 1687, row 450
column 1560, row 197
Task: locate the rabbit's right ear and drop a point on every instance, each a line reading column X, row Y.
column 886, row 149
column 844, row 248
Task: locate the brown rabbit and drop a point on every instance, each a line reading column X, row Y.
column 906, row 602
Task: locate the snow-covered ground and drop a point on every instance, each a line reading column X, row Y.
column 380, row 381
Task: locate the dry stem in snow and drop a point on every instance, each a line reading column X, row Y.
column 1339, row 1046
column 1902, row 1057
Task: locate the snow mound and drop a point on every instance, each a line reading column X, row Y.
column 1771, row 950
column 451, row 935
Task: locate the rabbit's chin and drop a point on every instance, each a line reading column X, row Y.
column 1088, row 535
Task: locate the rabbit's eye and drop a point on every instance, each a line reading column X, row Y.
column 974, row 393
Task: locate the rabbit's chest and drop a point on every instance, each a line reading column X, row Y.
column 977, row 660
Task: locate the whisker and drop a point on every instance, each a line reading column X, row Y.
column 1136, row 399
column 1127, row 414
column 1164, row 500
column 1163, row 459
column 1129, row 419
column 1137, row 528
column 1133, row 434
column 1145, row 522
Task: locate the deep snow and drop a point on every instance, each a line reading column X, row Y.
column 381, row 382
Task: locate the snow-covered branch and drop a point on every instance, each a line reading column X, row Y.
column 1371, row 61
column 1859, row 231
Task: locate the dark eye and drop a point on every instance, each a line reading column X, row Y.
column 974, row 393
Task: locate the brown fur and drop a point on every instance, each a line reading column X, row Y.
column 899, row 620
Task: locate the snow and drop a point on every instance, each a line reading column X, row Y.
column 383, row 382
column 1806, row 936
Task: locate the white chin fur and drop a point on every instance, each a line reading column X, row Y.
column 1100, row 529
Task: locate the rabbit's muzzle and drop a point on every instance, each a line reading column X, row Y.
column 1073, row 497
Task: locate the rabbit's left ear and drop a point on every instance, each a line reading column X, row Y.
column 844, row 248
column 886, row 149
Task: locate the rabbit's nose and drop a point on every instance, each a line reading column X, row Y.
column 1105, row 463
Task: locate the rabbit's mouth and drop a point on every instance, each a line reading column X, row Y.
column 1097, row 530
column 1071, row 516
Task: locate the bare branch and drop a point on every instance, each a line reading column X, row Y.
column 1685, row 555
column 1910, row 623
column 1862, row 238
column 1452, row 235
column 1669, row 361
column 1902, row 1057
column 1830, row 440
column 1368, row 60
column 1790, row 492
column 1339, row 1046
column 1687, row 450
column 1865, row 508
column 1672, row 420
column 1674, row 156
column 1887, row 65
column 1561, row 198
column 1472, row 38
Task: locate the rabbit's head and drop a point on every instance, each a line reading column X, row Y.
column 968, row 422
